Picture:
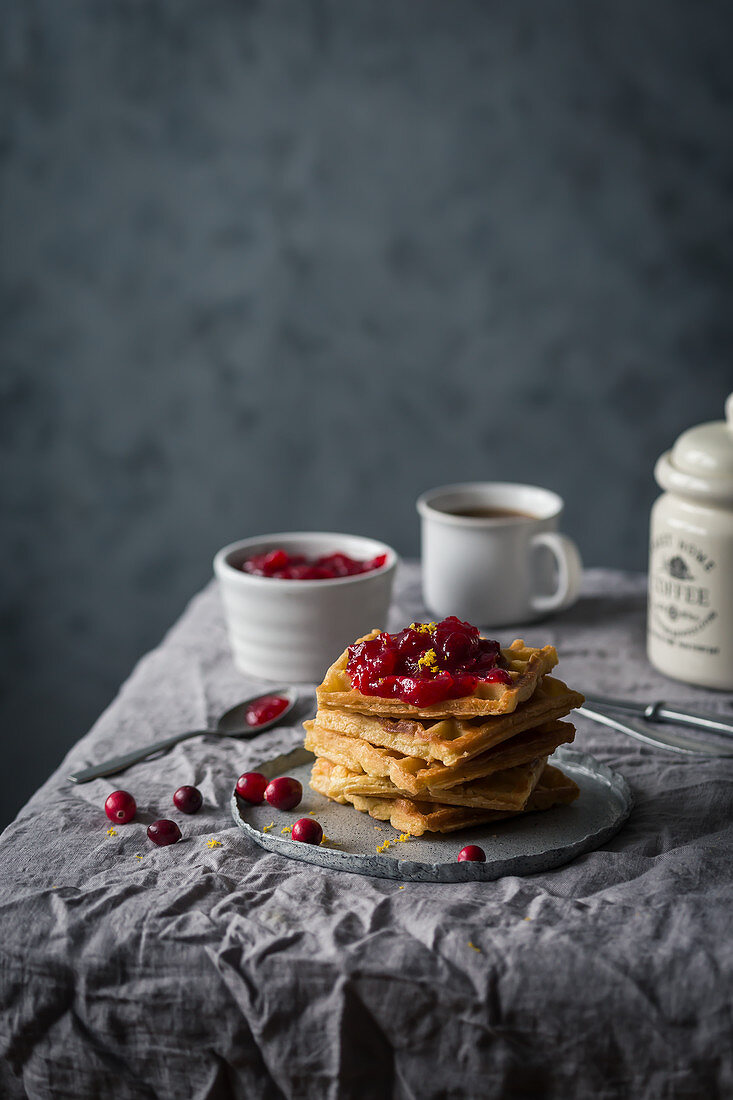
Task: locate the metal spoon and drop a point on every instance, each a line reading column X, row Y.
column 232, row 724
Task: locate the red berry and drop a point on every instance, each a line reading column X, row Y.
column 472, row 854
column 251, row 787
column 383, row 664
column 276, row 559
column 456, row 648
column 308, row 831
column 120, row 807
column 188, row 799
column 284, row 793
column 164, row 832
column 412, row 643
column 499, row 676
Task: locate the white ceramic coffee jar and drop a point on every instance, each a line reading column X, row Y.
column 690, row 615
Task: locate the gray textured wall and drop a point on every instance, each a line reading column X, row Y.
column 282, row 265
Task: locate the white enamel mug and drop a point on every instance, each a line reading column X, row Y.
column 500, row 570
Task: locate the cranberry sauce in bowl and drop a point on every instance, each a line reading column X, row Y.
column 426, row 663
column 279, row 564
column 293, row 601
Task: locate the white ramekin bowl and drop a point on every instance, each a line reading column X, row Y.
column 293, row 630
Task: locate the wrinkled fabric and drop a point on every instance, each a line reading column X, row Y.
column 200, row 971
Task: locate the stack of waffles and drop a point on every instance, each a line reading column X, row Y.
column 450, row 765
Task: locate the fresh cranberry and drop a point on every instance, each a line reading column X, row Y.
column 251, row 787
column 307, row 830
column 265, row 709
column 188, row 800
column 120, row 807
column 472, row 854
column 284, row 793
column 164, row 832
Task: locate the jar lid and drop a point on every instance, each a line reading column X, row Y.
column 700, row 465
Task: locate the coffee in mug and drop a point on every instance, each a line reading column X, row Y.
column 492, row 554
column 491, row 513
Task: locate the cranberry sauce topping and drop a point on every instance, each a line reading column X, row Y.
column 296, row 567
column 426, row 663
column 265, row 709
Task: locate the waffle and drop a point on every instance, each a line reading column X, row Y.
column 450, row 740
column 507, row 790
column 525, row 666
column 416, row 776
column 416, row 818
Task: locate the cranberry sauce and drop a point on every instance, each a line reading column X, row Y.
column 265, row 709
column 426, row 663
column 283, row 566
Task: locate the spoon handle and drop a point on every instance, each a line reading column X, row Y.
column 119, row 763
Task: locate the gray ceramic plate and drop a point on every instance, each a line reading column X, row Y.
column 515, row 846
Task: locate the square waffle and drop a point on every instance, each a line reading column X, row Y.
column 450, row 740
column 408, row 816
column 526, row 667
column 507, row 790
column 416, row 776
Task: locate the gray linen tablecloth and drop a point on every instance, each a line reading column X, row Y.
column 207, row 971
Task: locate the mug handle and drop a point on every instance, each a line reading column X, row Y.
column 569, row 572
